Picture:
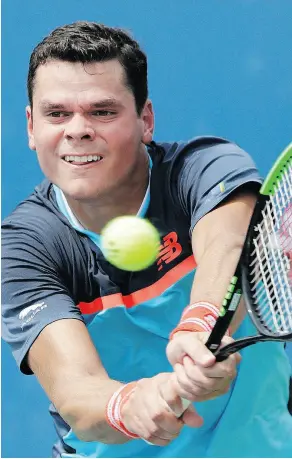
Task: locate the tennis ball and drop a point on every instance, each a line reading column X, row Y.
column 130, row 243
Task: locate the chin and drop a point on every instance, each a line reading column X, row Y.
column 84, row 197
column 80, row 193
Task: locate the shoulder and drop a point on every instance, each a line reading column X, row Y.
column 195, row 176
column 38, row 212
column 187, row 161
column 37, row 222
column 169, row 150
column 198, row 149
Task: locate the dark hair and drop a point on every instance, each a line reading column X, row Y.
column 86, row 42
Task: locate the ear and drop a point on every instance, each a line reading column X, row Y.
column 147, row 117
column 31, row 142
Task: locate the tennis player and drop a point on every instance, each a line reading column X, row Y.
column 115, row 351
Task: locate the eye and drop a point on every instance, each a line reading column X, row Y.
column 57, row 114
column 103, row 113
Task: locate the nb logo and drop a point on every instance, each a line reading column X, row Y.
column 169, row 250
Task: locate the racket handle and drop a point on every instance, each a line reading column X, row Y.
column 229, row 305
column 185, row 404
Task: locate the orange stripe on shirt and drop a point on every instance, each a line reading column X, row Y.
column 142, row 295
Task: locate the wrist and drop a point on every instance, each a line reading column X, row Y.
column 200, row 316
column 114, row 409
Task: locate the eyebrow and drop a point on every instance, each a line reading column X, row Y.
column 108, row 102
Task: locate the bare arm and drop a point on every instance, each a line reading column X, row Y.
column 69, row 369
column 217, row 242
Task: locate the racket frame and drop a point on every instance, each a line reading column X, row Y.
column 240, row 282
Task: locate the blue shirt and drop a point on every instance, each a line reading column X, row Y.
column 53, row 269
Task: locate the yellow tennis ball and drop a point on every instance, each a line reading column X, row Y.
column 130, row 243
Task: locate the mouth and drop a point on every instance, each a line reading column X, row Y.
column 79, row 160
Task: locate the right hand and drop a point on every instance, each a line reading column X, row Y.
column 199, row 376
column 152, row 409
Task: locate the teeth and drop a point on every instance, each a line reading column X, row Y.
column 82, row 159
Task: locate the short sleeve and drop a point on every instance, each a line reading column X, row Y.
column 33, row 291
column 208, row 174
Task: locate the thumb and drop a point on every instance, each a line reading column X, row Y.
column 191, row 418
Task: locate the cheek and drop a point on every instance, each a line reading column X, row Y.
column 46, row 139
column 126, row 139
column 46, row 143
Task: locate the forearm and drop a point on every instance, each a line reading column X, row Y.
column 217, row 242
column 212, row 278
column 193, row 363
column 69, row 369
column 84, row 409
column 141, row 409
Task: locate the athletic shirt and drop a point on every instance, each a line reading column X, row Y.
column 54, row 269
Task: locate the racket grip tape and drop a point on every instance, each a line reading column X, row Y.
column 229, row 305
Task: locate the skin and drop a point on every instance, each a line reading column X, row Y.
column 217, row 242
column 89, row 110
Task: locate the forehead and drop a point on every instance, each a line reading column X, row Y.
column 64, row 79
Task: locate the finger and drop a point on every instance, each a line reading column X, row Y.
column 191, row 418
column 158, row 441
column 166, row 429
column 160, row 414
column 179, row 407
column 226, row 340
column 169, row 394
column 194, row 391
column 193, row 384
column 187, row 343
column 185, row 389
column 196, row 394
column 227, row 368
column 136, row 426
column 166, row 422
column 198, row 352
column 140, row 421
column 200, row 387
column 160, row 428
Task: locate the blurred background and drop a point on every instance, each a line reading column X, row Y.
column 215, row 67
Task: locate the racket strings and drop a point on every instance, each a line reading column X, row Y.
column 271, row 260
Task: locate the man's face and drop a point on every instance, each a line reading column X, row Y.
column 85, row 128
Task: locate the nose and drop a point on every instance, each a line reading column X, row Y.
column 78, row 128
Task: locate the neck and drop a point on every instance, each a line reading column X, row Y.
column 126, row 199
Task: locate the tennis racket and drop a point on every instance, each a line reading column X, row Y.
column 264, row 272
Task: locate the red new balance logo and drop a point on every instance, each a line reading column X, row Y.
column 170, row 250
